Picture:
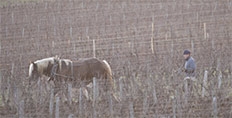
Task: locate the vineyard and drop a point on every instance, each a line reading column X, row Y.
column 143, row 41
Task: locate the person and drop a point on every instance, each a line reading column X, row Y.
column 189, row 66
column 189, row 69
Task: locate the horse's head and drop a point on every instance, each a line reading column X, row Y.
column 42, row 67
column 33, row 71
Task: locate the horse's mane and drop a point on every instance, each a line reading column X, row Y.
column 45, row 59
column 66, row 61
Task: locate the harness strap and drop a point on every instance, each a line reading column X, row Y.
column 60, row 75
column 53, row 71
column 72, row 70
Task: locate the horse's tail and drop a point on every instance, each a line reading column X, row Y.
column 109, row 74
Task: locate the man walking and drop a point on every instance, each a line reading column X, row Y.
column 189, row 66
column 189, row 69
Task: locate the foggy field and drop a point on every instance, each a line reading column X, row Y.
column 143, row 41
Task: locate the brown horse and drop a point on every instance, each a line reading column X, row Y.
column 83, row 70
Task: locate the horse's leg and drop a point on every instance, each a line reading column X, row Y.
column 83, row 87
column 64, row 90
column 85, row 92
column 57, row 86
column 113, row 90
column 61, row 89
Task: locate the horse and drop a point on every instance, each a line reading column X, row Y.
column 82, row 72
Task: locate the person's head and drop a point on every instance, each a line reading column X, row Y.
column 186, row 54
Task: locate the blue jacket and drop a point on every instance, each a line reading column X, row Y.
column 190, row 67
